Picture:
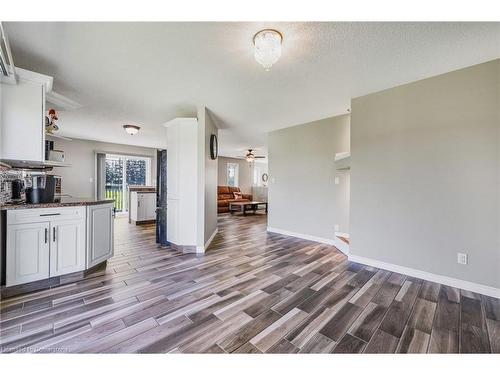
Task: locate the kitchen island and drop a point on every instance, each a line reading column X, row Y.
column 50, row 244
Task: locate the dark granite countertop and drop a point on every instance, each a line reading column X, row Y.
column 142, row 188
column 58, row 202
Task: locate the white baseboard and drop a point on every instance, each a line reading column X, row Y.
column 201, row 249
column 338, row 243
column 341, row 245
column 341, row 234
column 450, row 281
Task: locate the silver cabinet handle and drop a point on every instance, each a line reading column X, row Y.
column 54, row 234
column 46, row 234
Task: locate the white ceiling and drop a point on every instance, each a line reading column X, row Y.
column 149, row 73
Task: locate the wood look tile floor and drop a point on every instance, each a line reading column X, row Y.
column 253, row 292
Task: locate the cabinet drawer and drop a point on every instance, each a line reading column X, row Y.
column 35, row 215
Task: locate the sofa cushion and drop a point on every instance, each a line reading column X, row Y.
column 223, row 190
column 237, row 200
column 225, row 196
column 233, row 189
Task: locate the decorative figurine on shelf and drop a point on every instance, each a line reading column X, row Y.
column 50, row 122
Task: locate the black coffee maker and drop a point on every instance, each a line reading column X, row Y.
column 17, row 189
column 42, row 189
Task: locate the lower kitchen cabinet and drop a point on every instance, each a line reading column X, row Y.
column 67, row 247
column 99, row 234
column 142, row 206
column 48, row 242
column 27, row 253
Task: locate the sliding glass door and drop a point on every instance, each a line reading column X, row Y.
column 121, row 172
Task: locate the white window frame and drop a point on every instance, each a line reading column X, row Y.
column 124, row 158
column 236, row 167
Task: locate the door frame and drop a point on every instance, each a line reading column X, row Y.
column 149, row 176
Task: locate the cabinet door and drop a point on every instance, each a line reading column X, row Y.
column 150, row 204
column 27, row 253
column 134, row 202
column 141, row 207
column 23, row 103
column 99, row 233
column 67, row 247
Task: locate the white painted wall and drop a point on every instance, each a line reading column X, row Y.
column 303, row 198
column 425, row 174
column 191, row 182
column 211, row 167
column 79, row 179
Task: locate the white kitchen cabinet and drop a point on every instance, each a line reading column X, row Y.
column 67, row 247
column 27, row 253
column 100, row 223
column 142, row 206
column 182, row 182
column 48, row 242
column 23, row 108
column 43, row 243
column 149, row 200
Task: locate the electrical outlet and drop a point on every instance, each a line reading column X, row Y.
column 336, row 227
column 462, row 258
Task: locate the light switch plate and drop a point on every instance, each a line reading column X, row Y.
column 337, row 180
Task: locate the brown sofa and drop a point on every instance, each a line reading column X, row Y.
column 225, row 196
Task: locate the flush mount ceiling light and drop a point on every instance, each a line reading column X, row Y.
column 131, row 129
column 267, row 44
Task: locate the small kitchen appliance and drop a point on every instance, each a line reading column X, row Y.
column 42, row 189
column 17, row 189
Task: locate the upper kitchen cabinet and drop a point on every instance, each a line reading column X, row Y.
column 23, row 110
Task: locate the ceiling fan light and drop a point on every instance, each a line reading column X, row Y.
column 131, row 129
column 267, row 44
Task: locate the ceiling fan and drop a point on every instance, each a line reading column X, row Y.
column 250, row 156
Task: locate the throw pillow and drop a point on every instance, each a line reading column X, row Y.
column 238, row 195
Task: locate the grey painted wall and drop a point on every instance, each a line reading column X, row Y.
column 210, row 180
column 81, row 155
column 425, row 174
column 302, row 195
column 245, row 171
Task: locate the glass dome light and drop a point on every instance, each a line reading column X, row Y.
column 131, row 129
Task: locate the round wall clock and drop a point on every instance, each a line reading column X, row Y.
column 214, row 147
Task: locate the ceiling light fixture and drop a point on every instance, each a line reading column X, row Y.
column 267, row 44
column 250, row 158
column 131, row 129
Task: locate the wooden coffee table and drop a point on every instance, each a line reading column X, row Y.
column 244, row 207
